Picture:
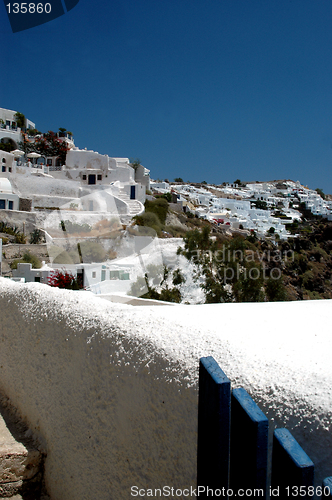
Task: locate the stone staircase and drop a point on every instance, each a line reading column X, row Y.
column 21, row 463
column 135, row 207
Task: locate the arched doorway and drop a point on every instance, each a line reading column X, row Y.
column 8, row 144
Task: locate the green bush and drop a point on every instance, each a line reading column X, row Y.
column 149, row 219
column 29, row 258
column 74, row 227
column 20, row 238
column 90, row 251
column 175, row 231
column 159, row 207
column 36, row 237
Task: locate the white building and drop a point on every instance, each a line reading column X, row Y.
column 8, row 200
column 24, row 270
column 9, row 131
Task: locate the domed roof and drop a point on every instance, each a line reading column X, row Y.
column 5, row 186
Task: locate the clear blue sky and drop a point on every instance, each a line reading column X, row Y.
column 209, row 90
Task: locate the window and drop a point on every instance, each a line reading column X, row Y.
column 99, row 177
column 9, row 169
column 10, row 205
column 3, row 160
column 94, row 274
column 49, row 162
column 114, row 275
column 84, row 177
column 4, row 169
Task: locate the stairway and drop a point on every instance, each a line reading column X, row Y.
column 135, row 207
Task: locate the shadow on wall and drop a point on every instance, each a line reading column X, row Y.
column 109, row 405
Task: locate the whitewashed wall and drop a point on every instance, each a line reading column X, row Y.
column 112, row 389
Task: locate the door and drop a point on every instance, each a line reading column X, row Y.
column 2, row 204
column 80, row 277
column 132, row 192
column 92, row 178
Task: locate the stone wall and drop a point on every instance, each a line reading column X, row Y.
column 25, row 205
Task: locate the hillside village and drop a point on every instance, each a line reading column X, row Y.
column 83, row 211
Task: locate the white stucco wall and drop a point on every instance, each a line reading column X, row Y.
column 123, row 174
column 112, row 389
column 83, row 159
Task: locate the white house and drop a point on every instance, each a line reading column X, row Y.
column 9, row 131
column 24, row 270
column 8, row 200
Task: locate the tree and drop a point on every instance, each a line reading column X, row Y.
column 50, row 145
column 7, row 146
column 46, row 145
column 260, row 204
column 178, row 179
column 275, row 290
column 320, row 192
column 20, row 119
column 135, row 163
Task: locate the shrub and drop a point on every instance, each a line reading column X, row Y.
column 90, row 251
column 149, row 219
column 67, row 258
column 36, row 236
column 158, row 207
column 74, row 227
column 63, row 279
column 29, row 258
column 20, row 238
column 176, row 231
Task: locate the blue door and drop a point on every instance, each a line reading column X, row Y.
column 2, row 204
column 132, row 192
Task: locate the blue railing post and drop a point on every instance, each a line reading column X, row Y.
column 291, row 467
column 213, row 427
column 327, row 487
column 249, row 445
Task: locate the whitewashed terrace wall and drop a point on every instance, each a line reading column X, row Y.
column 112, row 389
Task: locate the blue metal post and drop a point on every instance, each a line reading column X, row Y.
column 213, row 427
column 327, row 487
column 249, row 446
column 291, row 467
